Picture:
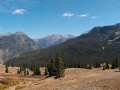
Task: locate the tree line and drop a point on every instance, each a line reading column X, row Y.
column 54, row 68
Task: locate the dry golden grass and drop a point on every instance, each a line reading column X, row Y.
column 80, row 79
column 75, row 79
column 8, row 82
column 19, row 87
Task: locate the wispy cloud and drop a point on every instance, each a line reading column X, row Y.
column 7, row 6
column 68, row 14
column 83, row 15
column 19, row 11
column 94, row 17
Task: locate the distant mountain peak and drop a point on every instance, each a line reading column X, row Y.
column 118, row 24
column 19, row 33
column 54, row 39
column 7, row 34
column 10, row 34
column 12, row 45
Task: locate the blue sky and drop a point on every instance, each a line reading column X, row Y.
column 38, row 18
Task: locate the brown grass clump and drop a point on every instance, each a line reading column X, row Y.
column 8, row 82
column 1, row 87
column 19, row 87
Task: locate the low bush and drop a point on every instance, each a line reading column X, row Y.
column 8, row 82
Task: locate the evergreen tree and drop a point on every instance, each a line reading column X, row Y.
column 117, row 62
column 79, row 65
column 12, row 64
column 37, row 71
column 97, row 65
column 107, row 66
column 65, row 65
column 6, row 71
column 104, row 68
column 46, row 71
column 27, row 72
column 52, row 68
column 90, row 67
column 114, row 64
column 18, row 71
column 59, row 67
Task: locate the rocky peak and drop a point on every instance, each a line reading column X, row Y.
column 19, row 33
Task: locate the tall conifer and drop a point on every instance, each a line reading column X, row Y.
column 52, row 68
column 59, row 67
column 6, row 71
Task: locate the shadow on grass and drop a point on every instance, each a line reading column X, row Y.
column 117, row 71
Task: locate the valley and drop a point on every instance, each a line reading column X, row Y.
column 59, row 45
column 90, row 62
column 99, row 45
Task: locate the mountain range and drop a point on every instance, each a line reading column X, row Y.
column 99, row 45
column 12, row 45
column 54, row 39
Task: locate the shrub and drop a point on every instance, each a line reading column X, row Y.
column 7, row 82
column 1, row 87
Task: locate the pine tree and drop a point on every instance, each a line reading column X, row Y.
column 52, row 68
column 104, row 68
column 6, row 71
column 46, row 71
column 12, row 64
column 18, row 71
column 90, row 67
column 97, row 65
column 119, row 64
column 107, row 66
column 59, row 67
column 27, row 72
column 37, row 71
column 114, row 64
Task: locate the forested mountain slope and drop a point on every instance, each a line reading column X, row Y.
column 100, row 45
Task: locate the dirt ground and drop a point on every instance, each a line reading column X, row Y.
column 75, row 79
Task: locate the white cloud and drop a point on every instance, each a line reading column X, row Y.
column 7, row 6
column 83, row 15
column 68, row 14
column 19, row 11
column 93, row 17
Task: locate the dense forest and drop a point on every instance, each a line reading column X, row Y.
column 100, row 45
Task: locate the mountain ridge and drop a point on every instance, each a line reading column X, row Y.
column 90, row 48
column 12, row 45
column 54, row 39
